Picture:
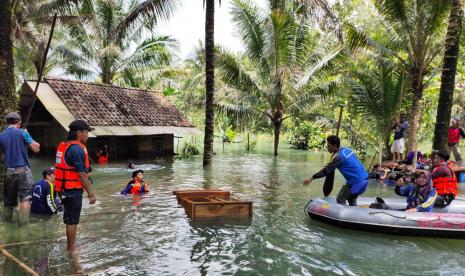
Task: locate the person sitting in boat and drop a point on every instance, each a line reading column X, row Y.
column 444, row 179
column 137, row 185
column 378, row 173
column 44, row 199
column 350, row 167
column 410, row 156
column 421, row 196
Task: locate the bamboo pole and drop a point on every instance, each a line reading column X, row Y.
column 21, row 265
column 41, row 72
column 26, row 243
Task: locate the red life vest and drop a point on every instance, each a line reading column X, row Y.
column 67, row 177
column 102, row 159
column 446, row 185
column 454, row 135
column 136, row 189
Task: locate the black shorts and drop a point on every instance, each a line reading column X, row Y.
column 72, row 205
column 18, row 184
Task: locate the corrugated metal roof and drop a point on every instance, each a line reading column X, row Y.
column 61, row 113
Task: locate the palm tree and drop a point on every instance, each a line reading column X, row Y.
column 109, row 45
column 285, row 69
column 408, row 31
column 449, row 70
column 377, row 93
column 209, row 80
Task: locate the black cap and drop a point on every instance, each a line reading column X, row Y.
column 13, row 116
column 134, row 173
column 79, row 125
column 48, row 171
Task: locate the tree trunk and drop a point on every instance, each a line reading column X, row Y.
column 277, row 130
column 7, row 79
column 415, row 115
column 449, row 70
column 209, row 81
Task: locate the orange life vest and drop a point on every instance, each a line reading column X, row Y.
column 137, row 188
column 67, row 177
column 102, row 159
column 446, row 185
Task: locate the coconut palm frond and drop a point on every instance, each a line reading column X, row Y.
column 147, row 11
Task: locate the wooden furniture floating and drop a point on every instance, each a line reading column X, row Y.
column 204, row 204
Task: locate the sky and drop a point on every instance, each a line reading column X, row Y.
column 187, row 25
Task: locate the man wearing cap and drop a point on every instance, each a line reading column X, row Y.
column 14, row 143
column 44, row 199
column 72, row 169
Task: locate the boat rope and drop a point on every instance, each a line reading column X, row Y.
column 438, row 218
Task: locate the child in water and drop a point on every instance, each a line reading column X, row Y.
column 137, row 185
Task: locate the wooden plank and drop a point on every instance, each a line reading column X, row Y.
column 182, row 194
column 229, row 209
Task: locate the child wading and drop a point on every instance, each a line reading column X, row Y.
column 137, row 185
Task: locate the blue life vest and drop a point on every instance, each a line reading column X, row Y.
column 14, row 147
column 353, row 171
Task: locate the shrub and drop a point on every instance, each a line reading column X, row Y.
column 307, row 135
column 189, row 149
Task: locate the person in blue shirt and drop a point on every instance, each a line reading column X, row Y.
column 14, row 144
column 44, row 198
column 421, row 196
column 350, row 167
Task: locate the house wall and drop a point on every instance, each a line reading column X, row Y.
column 132, row 147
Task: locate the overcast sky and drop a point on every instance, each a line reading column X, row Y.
column 188, row 25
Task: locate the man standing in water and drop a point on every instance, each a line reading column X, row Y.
column 72, row 169
column 14, row 143
column 350, row 167
column 454, row 134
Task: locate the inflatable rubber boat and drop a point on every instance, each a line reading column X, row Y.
column 447, row 222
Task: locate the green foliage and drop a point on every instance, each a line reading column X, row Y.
column 229, row 135
column 308, row 135
column 189, row 149
column 170, row 91
column 110, row 45
column 250, row 146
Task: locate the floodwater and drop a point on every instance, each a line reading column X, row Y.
column 151, row 235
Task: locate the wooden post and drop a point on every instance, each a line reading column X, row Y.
column 339, row 120
column 248, row 141
column 22, row 265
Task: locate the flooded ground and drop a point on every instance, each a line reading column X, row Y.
column 151, row 235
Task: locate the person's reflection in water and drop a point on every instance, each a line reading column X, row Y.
column 209, row 246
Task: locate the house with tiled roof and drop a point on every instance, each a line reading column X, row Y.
column 132, row 122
